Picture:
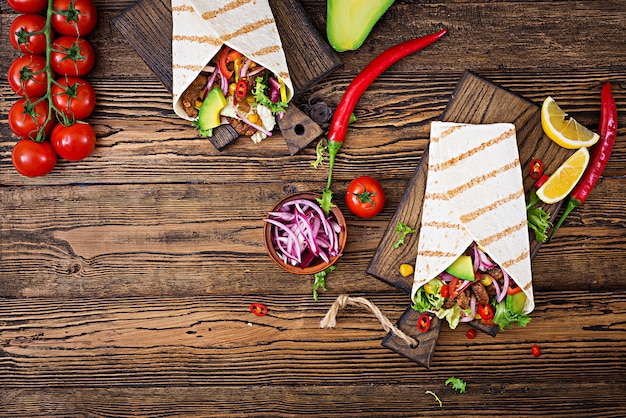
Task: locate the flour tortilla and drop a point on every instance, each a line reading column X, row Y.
column 474, row 193
column 200, row 28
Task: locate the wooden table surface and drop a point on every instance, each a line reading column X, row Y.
column 126, row 279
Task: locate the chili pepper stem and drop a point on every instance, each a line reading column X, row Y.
column 572, row 204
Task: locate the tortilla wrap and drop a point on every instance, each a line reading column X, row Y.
column 200, row 28
column 474, row 193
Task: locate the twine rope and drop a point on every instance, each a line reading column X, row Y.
column 330, row 320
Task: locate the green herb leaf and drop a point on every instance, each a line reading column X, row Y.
column 538, row 219
column 320, row 281
column 404, row 230
column 261, row 97
column 326, row 202
column 430, row 392
column 457, row 384
column 321, row 147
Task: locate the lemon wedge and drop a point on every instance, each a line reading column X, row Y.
column 564, row 179
column 563, row 129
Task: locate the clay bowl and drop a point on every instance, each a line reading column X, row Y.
column 317, row 264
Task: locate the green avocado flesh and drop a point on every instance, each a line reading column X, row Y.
column 209, row 113
column 517, row 302
column 463, row 268
column 349, row 22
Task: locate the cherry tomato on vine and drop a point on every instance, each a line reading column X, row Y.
column 365, row 197
column 74, row 17
column 27, row 76
column 74, row 97
column 20, row 34
column 26, row 119
column 28, row 6
column 73, row 142
column 33, row 159
column 72, row 56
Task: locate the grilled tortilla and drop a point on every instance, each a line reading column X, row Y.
column 474, row 193
column 200, row 28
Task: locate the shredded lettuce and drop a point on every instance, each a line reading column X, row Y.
column 506, row 316
column 261, row 97
column 429, row 301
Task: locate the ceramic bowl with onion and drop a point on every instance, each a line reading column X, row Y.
column 300, row 238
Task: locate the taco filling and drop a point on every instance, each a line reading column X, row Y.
column 474, row 287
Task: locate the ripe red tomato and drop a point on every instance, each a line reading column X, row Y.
column 73, row 142
column 32, row 158
column 365, row 197
column 28, row 6
column 27, row 76
column 74, row 97
column 20, row 34
column 26, row 119
column 72, row 56
column 77, row 17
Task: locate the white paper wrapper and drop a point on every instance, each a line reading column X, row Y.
column 474, row 192
column 200, row 28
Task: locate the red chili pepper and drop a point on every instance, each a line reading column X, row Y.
column 536, row 168
column 258, row 309
column 471, row 333
column 541, row 181
column 423, row 323
column 600, row 154
column 445, row 291
column 485, row 311
column 242, row 89
column 341, row 117
column 536, row 350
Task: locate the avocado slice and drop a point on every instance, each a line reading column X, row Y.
column 348, row 22
column 209, row 113
column 516, row 302
column 463, row 268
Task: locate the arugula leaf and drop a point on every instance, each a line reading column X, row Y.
column 320, row 281
column 404, row 230
column 457, row 384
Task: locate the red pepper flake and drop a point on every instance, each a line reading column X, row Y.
column 536, row 351
column 471, row 333
column 423, row 323
column 258, row 309
column 536, row 168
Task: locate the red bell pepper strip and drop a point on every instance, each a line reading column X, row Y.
column 341, row 117
column 600, row 154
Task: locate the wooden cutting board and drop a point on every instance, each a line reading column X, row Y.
column 478, row 101
column 147, row 26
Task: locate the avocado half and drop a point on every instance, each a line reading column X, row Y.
column 349, row 22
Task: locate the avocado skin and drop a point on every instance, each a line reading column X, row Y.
column 463, row 268
column 349, row 22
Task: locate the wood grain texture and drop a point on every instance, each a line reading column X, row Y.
column 109, row 266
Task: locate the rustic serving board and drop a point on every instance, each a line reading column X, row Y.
column 147, row 26
column 479, row 101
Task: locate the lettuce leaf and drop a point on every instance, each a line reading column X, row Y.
column 429, row 301
column 506, row 317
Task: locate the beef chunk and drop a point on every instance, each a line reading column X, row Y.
column 463, row 299
column 241, row 128
column 188, row 99
column 480, row 292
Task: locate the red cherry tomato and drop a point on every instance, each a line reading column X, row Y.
column 445, row 291
column 73, row 142
column 471, row 333
column 21, row 38
column 74, row 97
column 27, row 120
column 485, row 311
column 258, row 309
column 28, row 6
column 32, row 158
column 365, row 197
column 74, row 17
column 27, row 76
column 72, row 56
column 423, row 323
column 536, row 350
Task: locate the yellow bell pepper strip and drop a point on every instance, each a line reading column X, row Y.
column 341, row 117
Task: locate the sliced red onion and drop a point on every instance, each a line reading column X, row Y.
column 497, row 286
column 254, row 125
column 274, row 93
column 505, row 287
column 473, row 308
column 446, row 277
column 463, row 286
column 209, row 83
column 290, row 234
column 244, row 68
column 256, row 71
column 224, row 82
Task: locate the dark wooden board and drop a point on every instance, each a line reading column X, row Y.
column 479, row 101
column 147, row 26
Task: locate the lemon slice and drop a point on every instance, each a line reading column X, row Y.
column 564, row 179
column 563, row 129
